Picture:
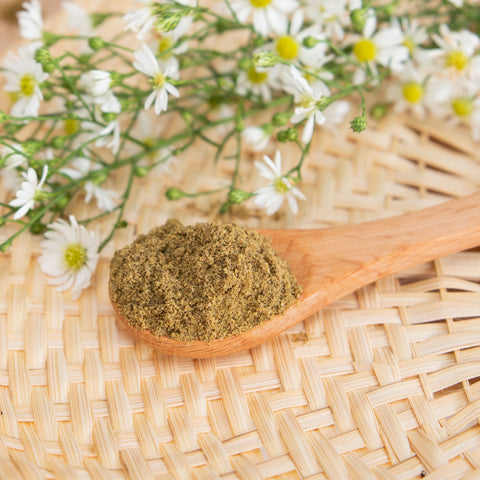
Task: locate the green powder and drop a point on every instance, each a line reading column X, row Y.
column 200, row 282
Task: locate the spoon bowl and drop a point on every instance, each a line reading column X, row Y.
column 330, row 263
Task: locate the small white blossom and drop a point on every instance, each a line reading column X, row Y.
column 415, row 90
column 332, row 16
column 24, row 76
column 78, row 19
column 462, row 106
column 271, row 197
column 97, row 84
column 28, row 194
column 13, row 155
column 141, row 20
column 456, row 54
column 383, row 47
column 289, row 45
column 30, row 20
column 69, row 255
column 259, row 81
column 146, row 63
column 268, row 16
column 307, row 97
column 109, row 136
column 81, row 167
column 257, row 137
column 415, row 37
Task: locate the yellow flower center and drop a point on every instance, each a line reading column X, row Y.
column 255, row 76
column 75, row 256
column 165, row 44
column 410, row 44
column 307, row 102
column 260, row 3
column 158, row 81
column 287, row 47
column 457, row 60
column 280, row 185
column 365, row 50
column 27, row 85
column 413, row 92
column 463, row 106
column 71, row 126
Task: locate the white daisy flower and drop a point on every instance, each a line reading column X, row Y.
column 81, row 167
column 267, row 15
column 457, row 52
column 462, row 106
column 383, row 47
column 271, row 197
column 290, row 48
column 23, row 79
column 146, row 63
column 307, row 97
column 416, row 91
column 258, row 138
column 29, row 192
column 331, row 16
column 78, row 19
column 141, row 20
column 69, row 255
column 13, row 156
column 257, row 81
column 97, row 84
column 415, row 36
column 109, row 136
column 30, row 20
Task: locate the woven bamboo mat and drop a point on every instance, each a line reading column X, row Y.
column 381, row 385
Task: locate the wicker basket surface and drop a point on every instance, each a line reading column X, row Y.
column 380, row 385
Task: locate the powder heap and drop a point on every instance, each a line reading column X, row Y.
column 200, row 282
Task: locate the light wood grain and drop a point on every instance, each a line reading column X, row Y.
column 330, row 263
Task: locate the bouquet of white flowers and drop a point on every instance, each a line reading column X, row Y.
column 236, row 74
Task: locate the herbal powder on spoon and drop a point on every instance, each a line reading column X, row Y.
column 200, row 282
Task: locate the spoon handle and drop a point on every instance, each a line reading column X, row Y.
column 352, row 256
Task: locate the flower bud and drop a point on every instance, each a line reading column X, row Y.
column 265, row 59
column 358, row 18
column 359, row 124
column 45, row 59
column 141, row 172
column 96, row 43
column 5, row 246
column 167, row 20
column 288, row 135
column 280, row 119
column 237, row 196
column 310, row 42
column 37, row 227
column 58, row 142
column 174, row 193
column 244, row 63
column 49, row 38
column 379, row 110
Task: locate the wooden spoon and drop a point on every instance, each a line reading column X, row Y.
column 332, row 262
